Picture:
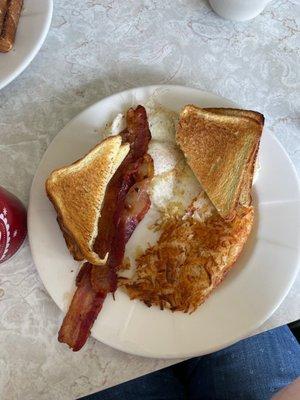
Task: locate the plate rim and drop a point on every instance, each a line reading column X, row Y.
column 213, row 348
column 26, row 61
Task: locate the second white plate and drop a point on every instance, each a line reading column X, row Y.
column 250, row 293
column 32, row 31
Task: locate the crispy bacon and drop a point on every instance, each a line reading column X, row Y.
column 137, row 132
column 132, row 205
column 125, row 205
column 138, row 135
column 83, row 311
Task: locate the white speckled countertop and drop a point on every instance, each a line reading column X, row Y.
column 96, row 48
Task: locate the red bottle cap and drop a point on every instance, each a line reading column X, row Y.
column 13, row 226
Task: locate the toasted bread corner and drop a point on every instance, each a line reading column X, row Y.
column 77, row 192
column 221, row 146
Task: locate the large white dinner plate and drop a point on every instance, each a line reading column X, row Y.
column 251, row 292
column 32, row 30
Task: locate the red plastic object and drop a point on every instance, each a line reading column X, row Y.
column 13, row 226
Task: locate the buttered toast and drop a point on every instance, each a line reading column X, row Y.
column 220, row 146
column 77, row 193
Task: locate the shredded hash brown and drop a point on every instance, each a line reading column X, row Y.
column 190, row 258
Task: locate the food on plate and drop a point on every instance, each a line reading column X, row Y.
column 198, row 247
column 221, row 147
column 3, row 9
column 10, row 11
column 179, row 186
column 77, row 193
column 191, row 257
column 126, row 201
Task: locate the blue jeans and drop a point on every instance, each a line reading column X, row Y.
column 252, row 369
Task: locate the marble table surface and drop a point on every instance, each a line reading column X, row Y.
column 96, row 48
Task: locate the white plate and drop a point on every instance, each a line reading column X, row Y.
column 251, row 292
column 32, row 31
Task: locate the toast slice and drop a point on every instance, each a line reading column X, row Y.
column 221, row 146
column 245, row 197
column 77, row 193
column 10, row 24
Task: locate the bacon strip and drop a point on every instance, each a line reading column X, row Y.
column 83, row 311
column 104, row 279
column 125, row 205
column 135, row 206
column 132, row 205
column 138, row 135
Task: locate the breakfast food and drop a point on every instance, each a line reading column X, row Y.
column 157, row 178
column 198, row 247
column 221, row 147
column 77, row 193
column 115, row 177
column 190, row 259
column 3, row 9
column 10, row 11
